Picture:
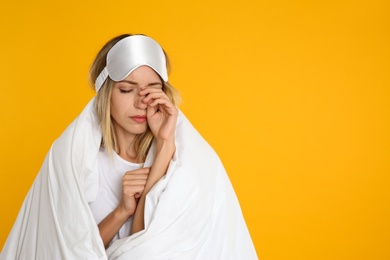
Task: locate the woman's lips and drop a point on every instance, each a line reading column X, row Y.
column 139, row 119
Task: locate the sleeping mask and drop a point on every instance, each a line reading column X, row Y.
column 129, row 54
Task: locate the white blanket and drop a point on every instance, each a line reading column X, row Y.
column 191, row 213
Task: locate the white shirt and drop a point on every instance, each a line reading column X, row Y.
column 109, row 194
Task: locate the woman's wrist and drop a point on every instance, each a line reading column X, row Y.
column 121, row 213
column 166, row 147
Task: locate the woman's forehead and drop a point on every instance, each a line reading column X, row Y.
column 143, row 73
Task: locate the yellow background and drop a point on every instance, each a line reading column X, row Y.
column 293, row 96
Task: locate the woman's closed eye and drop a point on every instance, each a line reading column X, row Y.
column 125, row 90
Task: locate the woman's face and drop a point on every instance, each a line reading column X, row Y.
column 128, row 111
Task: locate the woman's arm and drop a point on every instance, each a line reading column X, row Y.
column 164, row 153
column 162, row 117
column 133, row 184
column 111, row 225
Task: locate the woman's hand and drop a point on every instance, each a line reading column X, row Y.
column 161, row 113
column 133, row 185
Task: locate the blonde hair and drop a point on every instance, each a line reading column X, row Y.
column 142, row 141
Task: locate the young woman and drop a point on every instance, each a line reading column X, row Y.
column 130, row 178
column 132, row 112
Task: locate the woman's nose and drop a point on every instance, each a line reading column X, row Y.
column 139, row 103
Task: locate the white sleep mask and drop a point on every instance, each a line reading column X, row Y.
column 129, row 54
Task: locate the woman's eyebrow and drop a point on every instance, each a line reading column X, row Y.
column 129, row 82
column 154, row 83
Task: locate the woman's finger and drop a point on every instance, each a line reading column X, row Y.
column 134, row 177
column 133, row 182
column 164, row 104
column 138, row 172
column 130, row 191
column 149, row 90
column 153, row 96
